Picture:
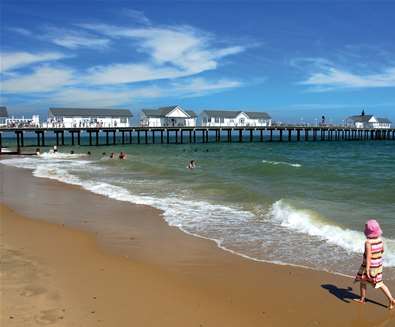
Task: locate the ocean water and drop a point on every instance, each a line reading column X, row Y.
column 302, row 203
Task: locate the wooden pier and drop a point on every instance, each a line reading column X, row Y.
column 182, row 135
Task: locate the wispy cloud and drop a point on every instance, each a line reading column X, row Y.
column 333, row 78
column 71, row 95
column 74, row 42
column 20, row 30
column 171, row 59
column 129, row 73
column 73, row 38
column 14, row 60
column 200, row 86
column 137, row 16
column 324, row 75
column 172, row 52
column 42, row 79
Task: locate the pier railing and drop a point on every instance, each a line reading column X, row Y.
column 199, row 134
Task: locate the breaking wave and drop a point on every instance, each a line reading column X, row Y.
column 275, row 163
column 307, row 222
column 227, row 224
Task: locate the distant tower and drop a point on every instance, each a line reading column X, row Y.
column 363, row 113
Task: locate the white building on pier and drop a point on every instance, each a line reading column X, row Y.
column 172, row 116
column 217, row 118
column 367, row 121
column 18, row 122
column 88, row 117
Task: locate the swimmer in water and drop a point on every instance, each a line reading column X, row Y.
column 112, row 155
column 192, row 164
column 122, row 156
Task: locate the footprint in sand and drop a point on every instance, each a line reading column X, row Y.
column 32, row 291
column 49, row 317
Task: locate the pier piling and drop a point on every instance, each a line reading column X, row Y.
column 208, row 134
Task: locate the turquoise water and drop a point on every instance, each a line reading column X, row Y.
column 292, row 203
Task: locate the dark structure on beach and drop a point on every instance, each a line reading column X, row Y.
column 3, row 115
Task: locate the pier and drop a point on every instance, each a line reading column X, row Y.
column 192, row 135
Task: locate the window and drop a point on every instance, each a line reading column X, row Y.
column 124, row 120
column 217, row 119
column 222, row 120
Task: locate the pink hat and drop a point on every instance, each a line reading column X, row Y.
column 372, row 229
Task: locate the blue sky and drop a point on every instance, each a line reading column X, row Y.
column 296, row 60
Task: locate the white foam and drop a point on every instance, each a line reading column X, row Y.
column 226, row 224
column 304, row 221
column 61, row 155
column 275, row 163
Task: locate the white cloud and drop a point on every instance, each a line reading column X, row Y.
column 75, row 41
column 137, row 16
column 14, row 60
column 117, row 96
column 19, row 30
column 43, row 79
column 336, row 78
column 129, row 73
column 175, row 53
column 324, row 75
column 172, row 52
column 103, row 97
column 201, row 86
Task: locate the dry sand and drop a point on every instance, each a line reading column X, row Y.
column 154, row 275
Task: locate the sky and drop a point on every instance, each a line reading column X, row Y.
column 296, row 60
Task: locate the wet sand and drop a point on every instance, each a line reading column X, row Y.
column 65, row 264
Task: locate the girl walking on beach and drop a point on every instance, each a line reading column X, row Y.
column 371, row 270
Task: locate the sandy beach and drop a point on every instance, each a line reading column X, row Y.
column 63, row 265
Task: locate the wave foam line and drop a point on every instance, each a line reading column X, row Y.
column 175, row 214
column 173, row 208
column 303, row 221
column 275, row 163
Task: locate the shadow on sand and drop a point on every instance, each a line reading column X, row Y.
column 346, row 294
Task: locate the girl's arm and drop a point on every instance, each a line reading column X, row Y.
column 368, row 251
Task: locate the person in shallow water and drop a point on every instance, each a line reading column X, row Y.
column 371, row 270
column 38, row 152
column 122, row 156
column 192, row 164
column 112, row 155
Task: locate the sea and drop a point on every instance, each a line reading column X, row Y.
column 298, row 203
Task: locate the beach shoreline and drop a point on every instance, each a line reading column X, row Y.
column 217, row 288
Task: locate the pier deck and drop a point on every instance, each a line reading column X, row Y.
column 199, row 134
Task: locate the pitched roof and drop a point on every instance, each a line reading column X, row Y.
column 163, row 111
column 257, row 115
column 3, row 112
column 89, row 112
column 221, row 113
column 233, row 114
column 360, row 118
column 383, row 120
